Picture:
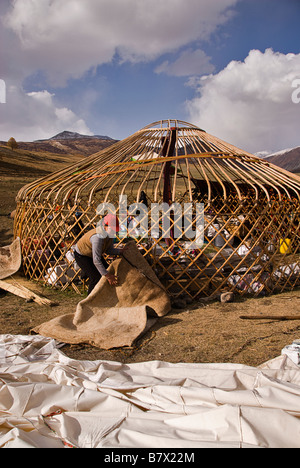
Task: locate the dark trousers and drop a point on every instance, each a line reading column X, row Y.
column 89, row 270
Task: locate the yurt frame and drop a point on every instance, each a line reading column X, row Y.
column 251, row 213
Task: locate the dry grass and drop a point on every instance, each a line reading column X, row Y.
column 33, row 164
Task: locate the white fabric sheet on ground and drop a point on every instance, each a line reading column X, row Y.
column 50, row 400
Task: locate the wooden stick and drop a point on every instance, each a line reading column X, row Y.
column 25, row 293
column 270, row 317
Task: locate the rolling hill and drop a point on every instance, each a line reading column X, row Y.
column 41, row 157
column 20, row 162
column 288, row 159
column 67, row 143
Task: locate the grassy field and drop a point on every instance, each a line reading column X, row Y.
column 20, row 163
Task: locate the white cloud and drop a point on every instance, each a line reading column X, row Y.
column 32, row 116
column 249, row 104
column 64, row 39
column 189, row 63
column 68, row 37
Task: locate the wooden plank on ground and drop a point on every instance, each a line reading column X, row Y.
column 21, row 291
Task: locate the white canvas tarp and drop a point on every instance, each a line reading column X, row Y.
column 50, row 400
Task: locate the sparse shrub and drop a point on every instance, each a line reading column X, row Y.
column 12, row 144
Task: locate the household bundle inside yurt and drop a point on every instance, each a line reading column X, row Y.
column 207, row 216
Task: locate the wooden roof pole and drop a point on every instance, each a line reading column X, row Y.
column 168, row 147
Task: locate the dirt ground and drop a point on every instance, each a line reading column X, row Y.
column 199, row 333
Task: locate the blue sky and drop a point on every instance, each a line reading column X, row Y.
column 111, row 67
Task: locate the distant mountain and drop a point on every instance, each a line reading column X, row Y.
column 68, row 143
column 75, row 136
column 262, row 154
column 288, row 159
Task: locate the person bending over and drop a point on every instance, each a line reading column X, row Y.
column 89, row 252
